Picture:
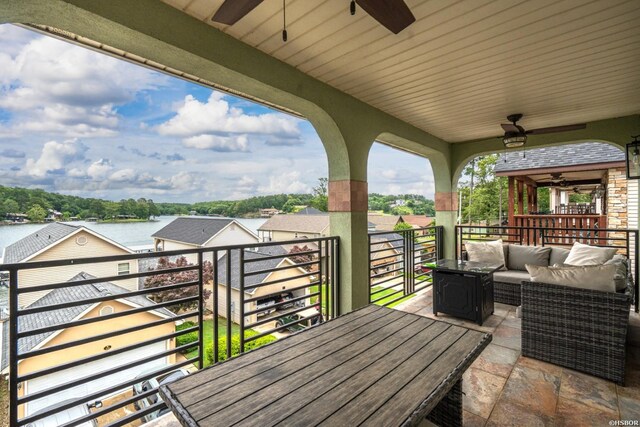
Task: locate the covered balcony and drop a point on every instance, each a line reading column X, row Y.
column 440, row 88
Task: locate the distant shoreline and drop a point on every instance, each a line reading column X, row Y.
column 102, row 221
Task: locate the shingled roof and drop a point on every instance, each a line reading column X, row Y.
column 193, row 230
column 310, row 211
column 35, row 242
column 264, row 264
column 313, row 224
column 385, row 222
column 558, row 156
column 66, row 315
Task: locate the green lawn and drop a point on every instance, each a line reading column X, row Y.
column 208, row 334
column 325, row 289
column 388, row 291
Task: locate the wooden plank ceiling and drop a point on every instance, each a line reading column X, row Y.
column 463, row 66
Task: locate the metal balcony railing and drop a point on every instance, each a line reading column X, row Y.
column 125, row 340
column 398, row 263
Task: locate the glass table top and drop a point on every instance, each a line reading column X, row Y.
column 465, row 266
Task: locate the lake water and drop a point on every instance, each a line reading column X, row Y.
column 125, row 233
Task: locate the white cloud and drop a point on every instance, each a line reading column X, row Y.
column 287, row 182
column 100, row 169
column 217, row 143
column 124, row 175
column 389, row 174
column 54, row 156
column 56, row 87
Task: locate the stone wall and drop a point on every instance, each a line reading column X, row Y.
column 617, row 212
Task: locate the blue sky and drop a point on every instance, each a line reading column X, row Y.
column 78, row 122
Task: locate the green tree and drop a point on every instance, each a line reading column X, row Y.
column 9, row 206
column 36, row 213
column 320, row 195
column 402, row 226
column 402, row 210
column 481, row 201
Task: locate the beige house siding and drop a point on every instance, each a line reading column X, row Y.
column 78, row 352
column 276, row 288
column 68, row 249
column 277, row 235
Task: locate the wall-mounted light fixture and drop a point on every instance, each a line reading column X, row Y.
column 633, row 158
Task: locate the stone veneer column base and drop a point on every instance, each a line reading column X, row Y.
column 348, row 196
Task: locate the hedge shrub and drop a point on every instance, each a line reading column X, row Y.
column 235, row 346
column 187, row 338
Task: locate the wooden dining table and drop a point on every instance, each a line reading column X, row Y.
column 373, row 366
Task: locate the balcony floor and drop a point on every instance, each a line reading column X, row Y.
column 504, row 388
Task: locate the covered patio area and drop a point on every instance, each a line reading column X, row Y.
column 440, row 88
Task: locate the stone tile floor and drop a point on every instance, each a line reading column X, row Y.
column 504, row 388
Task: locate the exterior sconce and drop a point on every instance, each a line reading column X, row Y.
column 633, row 158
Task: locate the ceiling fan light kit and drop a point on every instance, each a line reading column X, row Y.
column 515, row 136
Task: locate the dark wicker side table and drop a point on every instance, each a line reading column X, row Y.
column 463, row 289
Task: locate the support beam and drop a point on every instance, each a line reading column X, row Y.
column 511, row 205
column 520, row 196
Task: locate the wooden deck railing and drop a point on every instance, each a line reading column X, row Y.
column 560, row 227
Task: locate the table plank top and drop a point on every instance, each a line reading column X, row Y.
column 373, row 366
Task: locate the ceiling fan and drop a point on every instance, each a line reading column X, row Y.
column 516, row 136
column 395, row 15
column 556, row 179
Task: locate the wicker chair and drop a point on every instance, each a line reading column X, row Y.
column 580, row 329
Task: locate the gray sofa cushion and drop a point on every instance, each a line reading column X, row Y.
column 620, row 278
column 511, row 276
column 558, row 255
column 532, row 255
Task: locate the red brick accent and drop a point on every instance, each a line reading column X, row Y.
column 348, row 196
column 446, row 201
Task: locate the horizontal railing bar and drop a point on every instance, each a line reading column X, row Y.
column 379, row 242
column 93, row 260
column 137, row 415
column 96, row 319
column 280, row 304
column 384, row 273
column 386, row 304
column 515, row 227
column 385, row 264
column 398, row 250
column 385, row 281
column 75, row 283
column 94, row 338
column 278, row 293
column 288, row 255
column 385, row 289
column 271, row 319
column 400, row 255
column 273, row 282
column 387, row 296
column 111, row 297
column 57, row 368
column 108, row 391
column 70, row 384
column 106, row 410
column 286, row 267
column 423, row 281
column 413, row 230
column 280, row 328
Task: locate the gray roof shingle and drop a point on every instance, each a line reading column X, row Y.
column 255, row 279
column 37, row 241
column 65, row 315
column 310, row 211
column 558, row 156
column 192, row 230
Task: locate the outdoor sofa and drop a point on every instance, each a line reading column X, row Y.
column 581, row 329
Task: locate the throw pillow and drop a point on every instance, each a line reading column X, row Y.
column 490, row 252
column 558, row 255
column 620, row 278
column 521, row 255
column 582, row 254
column 597, row 278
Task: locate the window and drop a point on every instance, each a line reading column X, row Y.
column 123, row 268
column 107, row 309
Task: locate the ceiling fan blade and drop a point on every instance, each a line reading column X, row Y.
column 231, row 11
column 395, row 15
column 510, row 128
column 555, row 129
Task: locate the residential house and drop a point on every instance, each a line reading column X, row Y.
column 386, row 254
column 385, row 222
column 286, row 281
column 594, row 170
column 309, row 210
column 201, row 232
column 268, row 212
column 63, row 241
column 294, row 226
column 53, row 215
column 16, row 217
column 61, row 336
column 418, row 221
